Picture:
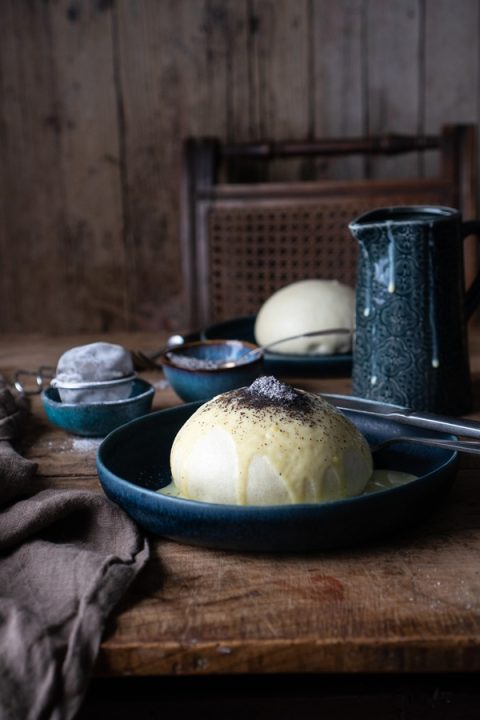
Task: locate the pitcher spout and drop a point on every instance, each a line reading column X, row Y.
column 400, row 214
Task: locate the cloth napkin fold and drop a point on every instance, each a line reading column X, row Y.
column 66, row 558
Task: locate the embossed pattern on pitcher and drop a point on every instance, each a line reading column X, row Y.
column 410, row 334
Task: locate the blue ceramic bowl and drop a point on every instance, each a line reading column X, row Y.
column 192, row 369
column 98, row 419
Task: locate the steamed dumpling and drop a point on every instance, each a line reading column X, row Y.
column 306, row 306
column 269, row 444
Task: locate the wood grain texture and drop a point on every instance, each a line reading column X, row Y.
column 96, row 98
column 451, row 61
column 393, row 34
column 33, row 257
column 339, row 78
column 96, row 266
column 404, row 605
column 281, row 75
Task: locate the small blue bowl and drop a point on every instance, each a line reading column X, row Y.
column 193, row 369
column 100, row 418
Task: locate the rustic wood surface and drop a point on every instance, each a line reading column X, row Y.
column 97, row 96
column 407, row 604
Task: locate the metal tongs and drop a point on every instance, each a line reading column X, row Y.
column 406, row 416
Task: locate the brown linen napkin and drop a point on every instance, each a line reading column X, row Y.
column 66, row 558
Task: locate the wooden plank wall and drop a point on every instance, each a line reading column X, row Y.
column 97, row 95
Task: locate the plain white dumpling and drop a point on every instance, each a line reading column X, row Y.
column 306, row 306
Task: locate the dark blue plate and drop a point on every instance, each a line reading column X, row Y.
column 282, row 364
column 133, row 461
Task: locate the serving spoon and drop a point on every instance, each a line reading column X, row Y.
column 142, row 361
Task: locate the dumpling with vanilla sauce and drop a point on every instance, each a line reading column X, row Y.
column 269, row 444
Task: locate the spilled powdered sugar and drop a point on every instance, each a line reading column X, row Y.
column 85, row 445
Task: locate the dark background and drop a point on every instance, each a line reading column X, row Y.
column 96, row 97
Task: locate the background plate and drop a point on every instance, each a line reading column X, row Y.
column 278, row 363
column 133, row 461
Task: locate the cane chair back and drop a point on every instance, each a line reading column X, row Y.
column 242, row 240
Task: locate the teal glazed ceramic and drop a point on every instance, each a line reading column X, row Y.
column 282, row 364
column 193, row 371
column 133, row 462
column 99, row 418
column 411, row 309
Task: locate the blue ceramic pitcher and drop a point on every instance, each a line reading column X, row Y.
column 411, row 308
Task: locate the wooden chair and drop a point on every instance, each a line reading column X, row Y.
column 241, row 241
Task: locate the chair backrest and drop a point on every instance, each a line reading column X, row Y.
column 241, row 241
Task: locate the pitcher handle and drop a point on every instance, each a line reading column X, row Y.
column 472, row 295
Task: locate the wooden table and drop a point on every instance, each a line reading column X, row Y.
column 409, row 604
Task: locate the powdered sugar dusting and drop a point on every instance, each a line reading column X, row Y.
column 190, row 362
column 270, row 388
column 193, row 363
column 269, row 395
